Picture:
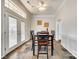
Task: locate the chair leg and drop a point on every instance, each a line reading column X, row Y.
column 47, row 52
column 33, row 50
column 38, row 52
column 47, row 56
column 37, row 56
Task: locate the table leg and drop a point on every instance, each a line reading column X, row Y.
column 51, row 45
column 33, row 47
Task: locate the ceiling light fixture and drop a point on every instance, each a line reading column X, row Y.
column 40, row 7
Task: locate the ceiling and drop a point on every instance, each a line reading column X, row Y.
column 51, row 6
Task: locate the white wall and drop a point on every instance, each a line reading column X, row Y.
column 68, row 16
column 44, row 18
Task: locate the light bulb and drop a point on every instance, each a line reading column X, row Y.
column 42, row 8
column 40, row 4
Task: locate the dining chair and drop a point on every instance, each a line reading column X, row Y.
column 43, row 40
column 32, row 38
column 53, row 32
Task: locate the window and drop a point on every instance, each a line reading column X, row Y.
column 22, row 31
column 11, row 5
column 12, row 32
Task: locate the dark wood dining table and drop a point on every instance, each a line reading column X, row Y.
column 34, row 40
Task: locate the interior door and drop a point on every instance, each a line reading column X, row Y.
column 58, row 29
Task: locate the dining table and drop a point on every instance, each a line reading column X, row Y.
column 51, row 44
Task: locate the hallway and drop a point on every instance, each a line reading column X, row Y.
column 25, row 52
column 38, row 20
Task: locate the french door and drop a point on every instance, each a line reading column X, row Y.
column 9, row 32
column 12, row 31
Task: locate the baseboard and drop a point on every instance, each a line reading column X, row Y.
column 65, row 49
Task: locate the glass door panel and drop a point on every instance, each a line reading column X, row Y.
column 22, row 31
column 12, row 32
